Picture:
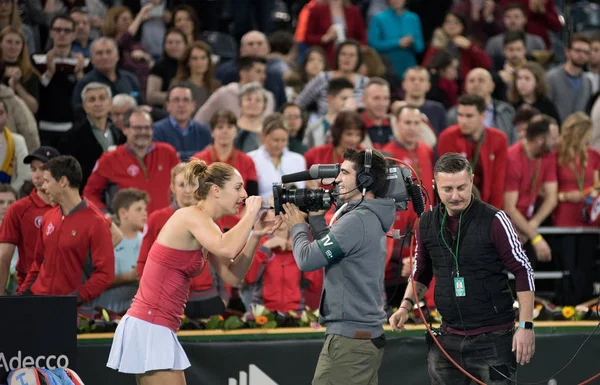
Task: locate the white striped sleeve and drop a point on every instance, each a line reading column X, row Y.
column 511, row 252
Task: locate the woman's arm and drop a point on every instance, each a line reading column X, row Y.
column 154, row 95
column 29, row 99
column 232, row 272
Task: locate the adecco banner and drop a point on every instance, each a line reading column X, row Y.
column 37, row 332
column 292, row 362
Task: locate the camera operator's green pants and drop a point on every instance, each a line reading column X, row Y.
column 347, row 361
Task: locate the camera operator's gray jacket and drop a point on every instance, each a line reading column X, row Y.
column 353, row 252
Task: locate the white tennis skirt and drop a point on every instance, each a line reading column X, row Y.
column 139, row 347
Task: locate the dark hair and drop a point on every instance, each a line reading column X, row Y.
column 221, row 116
column 359, row 58
column 302, row 68
column 63, row 16
column 26, row 189
column 81, row 10
column 378, row 169
column 451, row 163
column 337, row 85
column 524, row 114
column 5, row 187
column 344, row 121
column 281, row 42
column 578, row 37
column 127, row 197
column 133, row 111
column 245, row 63
column 462, row 19
column 472, row 100
column 595, row 37
column 537, row 127
column 179, row 85
column 512, row 36
column 193, row 15
column 300, row 133
column 67, row 166
column 442, row 59
column 511, row 6
column 203, row 177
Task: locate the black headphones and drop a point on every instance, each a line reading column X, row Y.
column 364, row 178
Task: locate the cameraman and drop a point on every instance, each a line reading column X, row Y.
column 353, row 252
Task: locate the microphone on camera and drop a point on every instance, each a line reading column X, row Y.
column 316, row 171
column 414, row 190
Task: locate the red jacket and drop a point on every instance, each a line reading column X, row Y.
column 123, row 168
column 539, row 23
column 319, row 21
column 73, row 255
column 493, row 158
column 282, row 284
column 472, row 57
column 21, row 227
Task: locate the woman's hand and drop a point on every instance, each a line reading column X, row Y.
column 276, row 242
column 266, row 225
column 253, row 205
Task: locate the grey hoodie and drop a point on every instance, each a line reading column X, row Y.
column 353, row 252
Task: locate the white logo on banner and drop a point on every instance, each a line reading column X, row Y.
column 255, row 376
column 50, row 362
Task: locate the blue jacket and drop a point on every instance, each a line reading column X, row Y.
column 194, row 139
column 384, row 34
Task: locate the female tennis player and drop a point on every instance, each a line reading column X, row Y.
column 145, row 342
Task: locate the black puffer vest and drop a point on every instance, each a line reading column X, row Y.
column 488, row 300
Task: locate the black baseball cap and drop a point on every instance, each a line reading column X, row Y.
column 43, row 154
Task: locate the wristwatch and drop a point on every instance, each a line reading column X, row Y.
column 526, row 325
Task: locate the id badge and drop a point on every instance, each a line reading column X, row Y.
column 530, row 211
column 459, row 287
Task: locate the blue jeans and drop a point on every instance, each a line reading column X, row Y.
column 472, row 354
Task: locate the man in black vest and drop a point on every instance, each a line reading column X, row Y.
column 467, row 245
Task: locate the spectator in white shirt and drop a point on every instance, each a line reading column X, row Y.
column 273, row 159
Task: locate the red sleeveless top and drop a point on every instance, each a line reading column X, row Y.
column 165, row 285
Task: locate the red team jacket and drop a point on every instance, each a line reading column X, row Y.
column 493, row 157
column 73, row 255
column 123, row 168
column 21, row 227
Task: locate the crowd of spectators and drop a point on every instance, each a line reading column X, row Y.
column 132, row 90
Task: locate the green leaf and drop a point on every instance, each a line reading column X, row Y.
column 233, row 323
column 84, row 325
column 270, row 316
column 105, row 315
column 270, row 325
column 213, row 323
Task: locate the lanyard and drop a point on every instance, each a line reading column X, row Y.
column 534, row 180
column 579, row 178
column 476, row 155
column 455, row 252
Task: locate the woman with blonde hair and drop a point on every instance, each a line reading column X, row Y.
column 578, row 166
column 19, row 74
column 530, row 87
column 145, row 342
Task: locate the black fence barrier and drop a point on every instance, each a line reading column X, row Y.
column 292, row 361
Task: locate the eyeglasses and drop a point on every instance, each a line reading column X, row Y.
column 61, row 30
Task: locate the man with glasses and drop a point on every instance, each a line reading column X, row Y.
column 139, row 163
column 178, row 129
column 61, row 68
column 570, row 90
